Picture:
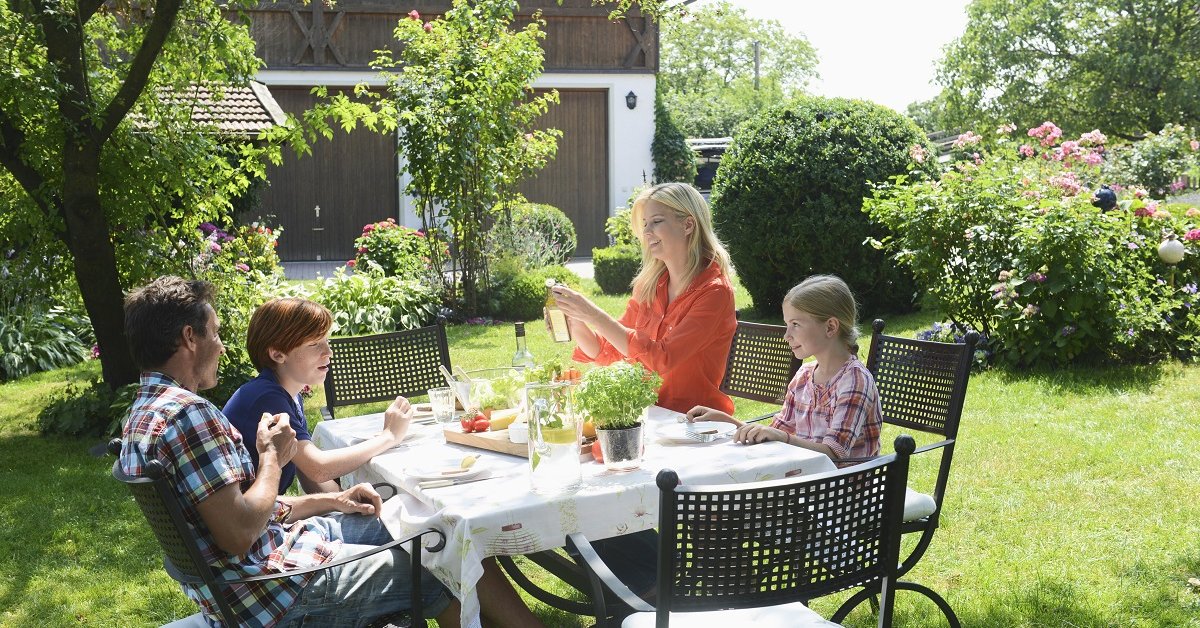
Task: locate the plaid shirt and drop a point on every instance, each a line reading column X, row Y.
column 843, row 414
column 204, row 453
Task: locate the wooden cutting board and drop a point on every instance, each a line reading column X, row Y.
column 491, row 441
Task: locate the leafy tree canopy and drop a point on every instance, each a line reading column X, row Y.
column 707, row 67
column 1128, row 67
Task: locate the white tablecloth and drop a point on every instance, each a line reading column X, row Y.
column 502, row 516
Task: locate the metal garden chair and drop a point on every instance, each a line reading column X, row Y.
column 760, row 364
column 368, row 369
column 756, row 553
column 922, row 385
column 183, row 561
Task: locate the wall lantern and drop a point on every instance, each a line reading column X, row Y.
column 631, row 100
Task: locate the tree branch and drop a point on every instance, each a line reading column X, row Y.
column 11, row 139
column 139, row 70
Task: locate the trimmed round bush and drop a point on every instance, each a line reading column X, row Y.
column 521, row 296
column 539, row 235
column 787, row 200
column 616, row 266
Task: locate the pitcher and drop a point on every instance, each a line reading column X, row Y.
column 554, row 433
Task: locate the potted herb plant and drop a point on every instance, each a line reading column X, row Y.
column 615, row 397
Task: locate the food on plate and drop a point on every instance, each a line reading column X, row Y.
column 589, row 429
column 468, row 461
column 597, row 453
column 473, row 421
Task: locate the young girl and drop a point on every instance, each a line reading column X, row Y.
column 288, row 343
column 832, row 405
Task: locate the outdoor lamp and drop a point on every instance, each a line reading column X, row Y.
column 631, row 100
column 1171, row 250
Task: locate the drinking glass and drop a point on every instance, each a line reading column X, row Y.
column 442, row 402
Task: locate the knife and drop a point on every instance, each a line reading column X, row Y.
column 440, row 483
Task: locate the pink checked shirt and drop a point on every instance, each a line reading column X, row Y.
column 843, row 413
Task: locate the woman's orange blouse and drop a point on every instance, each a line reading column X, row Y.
column 685, row 342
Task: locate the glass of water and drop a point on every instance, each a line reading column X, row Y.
column 441, row 401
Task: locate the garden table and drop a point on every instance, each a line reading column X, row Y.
column 501, row 516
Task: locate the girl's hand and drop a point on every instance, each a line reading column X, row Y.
column 705, row 413
column 754, row 433
column 397, row 418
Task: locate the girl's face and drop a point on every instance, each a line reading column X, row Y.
column 664, row 234
column 806, row 334
column 306, row 364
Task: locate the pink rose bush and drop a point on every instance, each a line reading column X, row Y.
column 395, row 250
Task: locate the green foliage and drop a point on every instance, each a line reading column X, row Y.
column 673, row 159
column 616, row 266
column 539, row 235
column 619, row 228
column 706, row 68
column 92, row 410
column 1154, row 162
column 395, row 249
column 1126, row 67
column 1012, row 246
column 519, row 294
column 930, row 114
column 788, row 198
column 615, row 395
column 459, row 100
column 34, row 339
column 369, row 302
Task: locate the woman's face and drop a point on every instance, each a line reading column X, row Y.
column 306, row 364
column 664, row 234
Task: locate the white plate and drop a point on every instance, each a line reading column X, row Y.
column 698, row 432
column 449, row 469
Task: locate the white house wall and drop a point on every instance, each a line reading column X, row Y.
column 629, row 131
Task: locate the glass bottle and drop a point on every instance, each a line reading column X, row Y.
column 560, row 331
column 522, row 358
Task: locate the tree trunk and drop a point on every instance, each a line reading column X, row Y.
column 95, row 259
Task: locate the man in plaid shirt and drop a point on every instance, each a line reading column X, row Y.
column 244, row 528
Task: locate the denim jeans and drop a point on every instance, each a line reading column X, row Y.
column 357, row 592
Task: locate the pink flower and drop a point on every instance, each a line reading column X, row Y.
column 1144, row 212
column 1093, row 138
column 1069, row 147
column 362, row 249
column 1192, row 234
column 413, row 15
column 1005, row 129
column 1093, row 158
column 1192, row 212
column 1140, row 193
column 529, row 137
column 214, row 247
column 967, row 139
column 918, row 153
column 368, row 229
column 352, row 263
column 1025, row 150
column 95, row 352
column 242, row 267
column 1195, row 144
column 428, row 27
column 392, row 220
column 1048, row 132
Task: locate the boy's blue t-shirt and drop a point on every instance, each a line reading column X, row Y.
column 252, row 399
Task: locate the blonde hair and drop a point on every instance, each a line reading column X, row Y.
column 703, row 246
column 825, row 297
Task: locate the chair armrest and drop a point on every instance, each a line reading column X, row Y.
column 861, row 459
column 326, row 415
column 437, row 547
column 386, row 490
column 596, row 569
column 941, row 443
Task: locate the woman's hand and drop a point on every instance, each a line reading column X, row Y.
column 705, row 413
column 397, row 418
column 575, row 305
column 754, row 433
column 358, row 499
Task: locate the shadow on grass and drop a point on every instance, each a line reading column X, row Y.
column 1082, row 380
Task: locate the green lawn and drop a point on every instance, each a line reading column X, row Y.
column 1071, row 503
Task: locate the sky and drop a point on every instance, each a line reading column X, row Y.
column 885, row 51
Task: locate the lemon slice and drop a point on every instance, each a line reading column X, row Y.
column 468, row 461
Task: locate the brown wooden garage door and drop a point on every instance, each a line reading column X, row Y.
column 576, row 181
column 351, row 177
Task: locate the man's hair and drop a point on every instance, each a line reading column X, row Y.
column 156, row 314
column 284, row 324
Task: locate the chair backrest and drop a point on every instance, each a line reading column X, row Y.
column 760, row 363
column 922, row 384
column 780, row 541
column 366, row 369
column 164, row 513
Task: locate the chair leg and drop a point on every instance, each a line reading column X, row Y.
column 872, row 594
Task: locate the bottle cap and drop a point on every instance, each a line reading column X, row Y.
column 550, row 282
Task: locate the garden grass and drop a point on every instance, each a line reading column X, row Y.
column 1072, row 502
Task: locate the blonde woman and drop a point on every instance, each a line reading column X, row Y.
column 680, row 319
column 832, row 405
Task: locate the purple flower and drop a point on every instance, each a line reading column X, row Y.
column 1190, row 288
column 1129, row 332
column 1132, row 246
column 96, row 352
column 214, row 247
column 207, row 228
column 1036, row 277
column 242, row 267
column 1067, row 330
column 1160, row 281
